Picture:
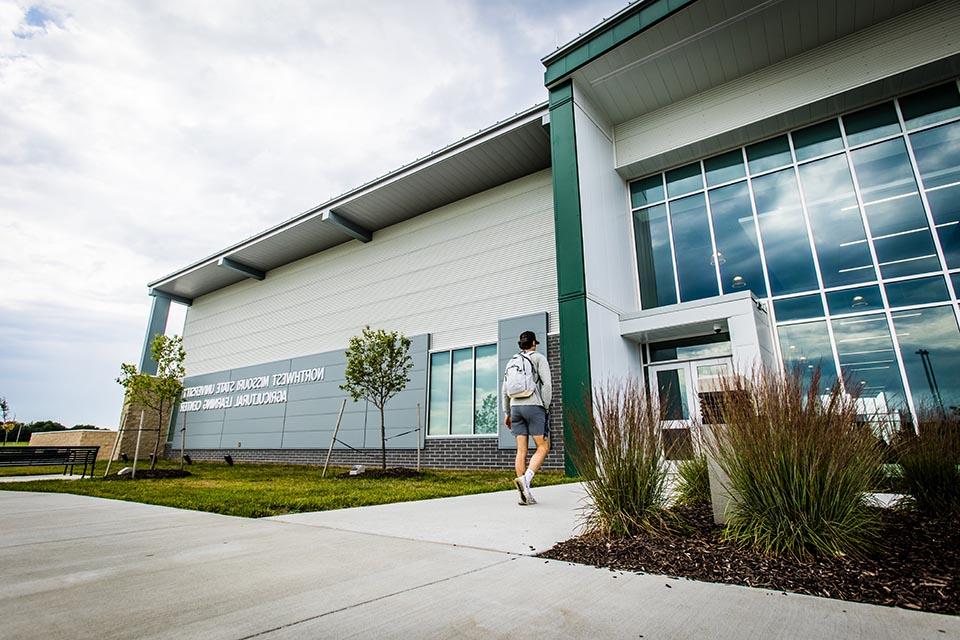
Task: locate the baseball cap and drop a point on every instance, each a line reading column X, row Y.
column 529, row 336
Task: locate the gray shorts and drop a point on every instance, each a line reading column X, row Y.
column 529, row 420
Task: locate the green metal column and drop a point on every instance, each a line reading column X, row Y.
column 571, row 282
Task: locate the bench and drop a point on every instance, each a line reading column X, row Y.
column 68, row 457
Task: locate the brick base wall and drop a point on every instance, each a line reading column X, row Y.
column 439, row 453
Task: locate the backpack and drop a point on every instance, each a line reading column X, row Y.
column 518, row 378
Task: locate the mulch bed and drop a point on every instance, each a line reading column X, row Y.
column 380, row 473
column 147, row 474
column 917, row 566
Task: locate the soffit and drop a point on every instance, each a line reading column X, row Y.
column 711, row 42
column 509, row 150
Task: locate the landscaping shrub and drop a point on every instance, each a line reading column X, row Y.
column 693, row 483
column 799, row 463
column 930, row 462
column 619, row 453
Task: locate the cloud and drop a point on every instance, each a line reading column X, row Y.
column 136, row 138
column 37, row 20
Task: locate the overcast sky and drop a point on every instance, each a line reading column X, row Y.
column 138, row 137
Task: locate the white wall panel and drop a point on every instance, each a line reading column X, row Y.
column 607, row 245
column 905, row 42
column 452, row 272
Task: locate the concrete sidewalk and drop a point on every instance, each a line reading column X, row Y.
column 46, row 476
column 76, row 567
column 491, row 521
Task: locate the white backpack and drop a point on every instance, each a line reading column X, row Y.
column 518, row 379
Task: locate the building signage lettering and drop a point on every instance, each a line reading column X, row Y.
column 269, row 395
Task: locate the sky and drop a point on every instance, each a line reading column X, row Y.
column 139, row 137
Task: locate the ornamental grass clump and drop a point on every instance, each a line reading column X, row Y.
column 799, row 462
column 930, row 462
column 619, row 453
column 693, row 482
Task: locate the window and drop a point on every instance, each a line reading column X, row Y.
column 654, row 260
column 691, row 239
column 867, row 359
column 837, row 226
column 806, row 347
column 738, row 252
column 930, row 347
column 463, row 392
column 901, row 235
column 784, row 234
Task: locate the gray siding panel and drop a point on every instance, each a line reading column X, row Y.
column 309, row 415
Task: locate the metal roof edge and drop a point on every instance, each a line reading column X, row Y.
column 535, row 112
column 603, row 25
column 628, row 23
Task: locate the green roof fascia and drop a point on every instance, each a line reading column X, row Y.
column 633, row 21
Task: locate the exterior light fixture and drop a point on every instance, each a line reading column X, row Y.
column 717, row 258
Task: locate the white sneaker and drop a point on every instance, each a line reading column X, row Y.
column 521, row 486
column 527, row 493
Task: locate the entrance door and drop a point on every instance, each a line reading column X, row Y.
column 685, row 393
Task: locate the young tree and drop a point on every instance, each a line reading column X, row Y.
column 8, row 425
column 378, row 367
column 161, row 391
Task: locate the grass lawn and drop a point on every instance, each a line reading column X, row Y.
column 259, row 490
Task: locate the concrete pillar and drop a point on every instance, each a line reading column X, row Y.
column 156, row 325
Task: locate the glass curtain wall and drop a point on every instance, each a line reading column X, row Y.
column 849, row 228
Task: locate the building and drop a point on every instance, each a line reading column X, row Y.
column 713, row 184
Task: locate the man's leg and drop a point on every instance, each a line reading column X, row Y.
column 520, row 464
column 543, row 448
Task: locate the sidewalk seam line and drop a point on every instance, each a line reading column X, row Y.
column 371, row 600
column 452, row 545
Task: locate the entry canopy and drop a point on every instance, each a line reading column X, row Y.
column 508, row 150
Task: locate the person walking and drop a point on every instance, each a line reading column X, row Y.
column 527, row 390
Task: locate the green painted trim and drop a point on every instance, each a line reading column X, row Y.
column 571, row 282
column 635, row 20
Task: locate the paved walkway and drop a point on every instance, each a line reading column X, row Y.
column 76, row 567
column 46, row 476
column 490, row 521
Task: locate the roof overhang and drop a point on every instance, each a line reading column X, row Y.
column 658, row 52
column 510, row 149
column 627, row 23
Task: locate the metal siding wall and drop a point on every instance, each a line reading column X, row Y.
column 922, row 36
column 452, row 272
